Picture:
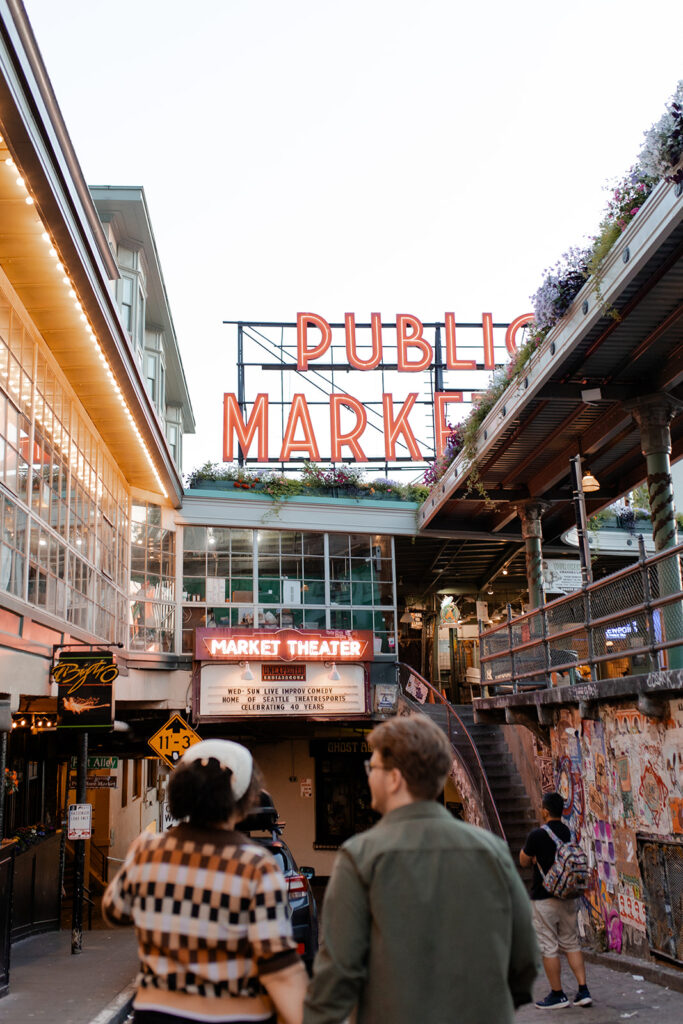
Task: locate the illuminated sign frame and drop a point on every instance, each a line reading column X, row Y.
column 246, row 417
column 283, row 645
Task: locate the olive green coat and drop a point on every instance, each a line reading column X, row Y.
column 425, row 921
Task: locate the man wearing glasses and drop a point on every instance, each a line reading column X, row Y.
column 425, row 917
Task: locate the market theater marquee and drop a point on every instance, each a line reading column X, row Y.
column 281, row 672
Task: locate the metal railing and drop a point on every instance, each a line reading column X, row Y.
column 635, row 613
column 458, row 737
column 99, row 863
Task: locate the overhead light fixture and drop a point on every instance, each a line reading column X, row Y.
column 505, row 572
column 247, row 674
column 490, row 590
column 589, row 482
column 334, row 674
column 406, row 618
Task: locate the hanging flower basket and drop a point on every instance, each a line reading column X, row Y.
column 11, row 782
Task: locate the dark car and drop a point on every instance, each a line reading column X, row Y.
column 263, row 826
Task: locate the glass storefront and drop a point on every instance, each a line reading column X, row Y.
column 152, row 581
column 64, row 507
column 272, row 578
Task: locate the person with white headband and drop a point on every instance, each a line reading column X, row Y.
column 209, row 906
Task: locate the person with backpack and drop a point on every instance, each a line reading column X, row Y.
column 560, row 875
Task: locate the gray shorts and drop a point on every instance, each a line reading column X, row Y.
column 556, row 927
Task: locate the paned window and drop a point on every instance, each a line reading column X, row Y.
column 152, row 581
column 272, row 578
column 63, row 502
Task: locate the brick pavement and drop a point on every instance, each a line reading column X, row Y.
column 617, row 997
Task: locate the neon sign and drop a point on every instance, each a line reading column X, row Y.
column 227, row 644
column 246, row 432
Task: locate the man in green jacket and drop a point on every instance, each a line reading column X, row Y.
column 425, row 918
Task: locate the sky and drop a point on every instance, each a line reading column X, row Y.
column 374, row 156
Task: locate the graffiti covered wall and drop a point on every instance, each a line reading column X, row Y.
column 620, row 776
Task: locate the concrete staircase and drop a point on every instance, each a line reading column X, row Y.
column 514, row 807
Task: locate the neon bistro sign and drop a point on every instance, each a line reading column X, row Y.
column 414, row 354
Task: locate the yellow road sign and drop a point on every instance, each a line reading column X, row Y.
column 173, row 739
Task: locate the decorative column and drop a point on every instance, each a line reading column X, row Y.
column 530, row 513
column 654, row 413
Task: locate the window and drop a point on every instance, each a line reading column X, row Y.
column 126, row 302
column 64, row 540
column 272, row 578
column 172, row 436
column 151, row 375
column 152, row 581
column 124, row 783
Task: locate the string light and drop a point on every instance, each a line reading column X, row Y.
column 59, row 266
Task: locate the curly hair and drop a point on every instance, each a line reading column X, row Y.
column 203, row 793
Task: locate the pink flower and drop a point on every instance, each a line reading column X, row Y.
column 634, row 211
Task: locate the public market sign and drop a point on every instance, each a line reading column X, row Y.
column 234, row 644
column 414, row 354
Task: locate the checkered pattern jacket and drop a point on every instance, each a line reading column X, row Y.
column 210, row 910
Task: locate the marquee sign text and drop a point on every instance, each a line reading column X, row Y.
column 229, row 644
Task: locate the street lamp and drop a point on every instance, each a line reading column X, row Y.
column 589, row 482
column 580, row 513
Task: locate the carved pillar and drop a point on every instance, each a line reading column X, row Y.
column 530, row 513
column 654, row 413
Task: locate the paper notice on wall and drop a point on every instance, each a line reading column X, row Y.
column 291, row 592
column 306, row 786
column 632, row 910
column 79, row 821
column 417, row 689
column 215, row 590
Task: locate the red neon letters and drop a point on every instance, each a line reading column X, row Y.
column 414, row 354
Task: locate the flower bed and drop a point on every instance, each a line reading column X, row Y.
column 333, row 481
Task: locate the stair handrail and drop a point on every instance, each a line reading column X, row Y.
column 99, row 863
column 475, row 770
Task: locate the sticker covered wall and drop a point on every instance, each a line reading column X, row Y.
column 621, row 777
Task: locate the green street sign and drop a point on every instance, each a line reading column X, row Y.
column 98, row 761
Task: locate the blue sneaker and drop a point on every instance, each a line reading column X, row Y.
column 553, row 1001
column 583, row 997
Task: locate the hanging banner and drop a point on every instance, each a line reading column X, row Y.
column 85, row 689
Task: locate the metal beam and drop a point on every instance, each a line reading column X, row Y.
column 598, row 435
column 511, row 551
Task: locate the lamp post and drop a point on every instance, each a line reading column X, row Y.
column 581, row 519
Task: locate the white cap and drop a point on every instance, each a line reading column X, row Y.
column 231, row 755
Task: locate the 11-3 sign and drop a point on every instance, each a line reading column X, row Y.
column 173, row 739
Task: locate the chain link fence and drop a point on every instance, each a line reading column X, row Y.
column 635, row 614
